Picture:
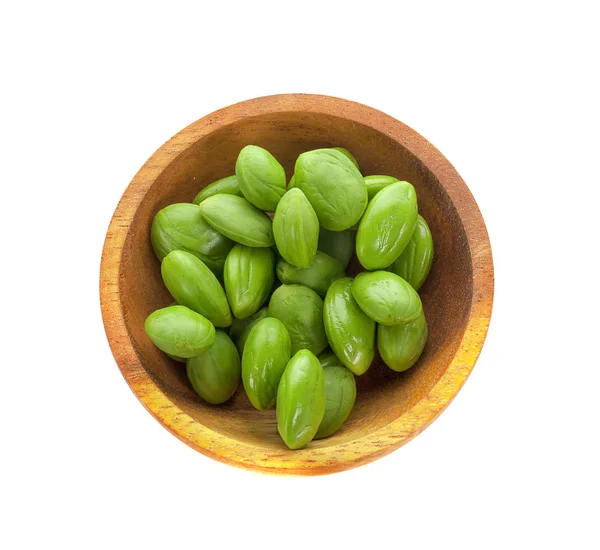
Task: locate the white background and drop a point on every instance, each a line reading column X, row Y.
column 508, row 93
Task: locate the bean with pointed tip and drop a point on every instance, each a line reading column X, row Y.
column 377, row 183
column 179, row 331
column 334, row 187
column 215, row 373
column 193, row 285
column 400, row 346
column 386, row 298
column 238, row 219
column 318, row 275
column 337, row 244
column 416, row 259
column 300, row 400
column 296, row 229
column 266, row 354
column 340, row 395
column 224, row 186
column 351, row 333
column 249, row 274
column 300, row 309
column 240, row 328
column 181, row 227
column 348, row 154
column 387, row 226
column 260, row 176
column 329, row 359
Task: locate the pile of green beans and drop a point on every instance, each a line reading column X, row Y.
column 265, row 300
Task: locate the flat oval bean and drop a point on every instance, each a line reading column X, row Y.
column 261, row 177
column 240, row 328
column 181, row 227
column 300, row 309
column 249, row 274
column 215, row 373
column 400, row 346
column 174, row 357
column 329, row 359
column 300, row 400
column 340, row 395
column 239, row 220
column 414, row 263
column 350, row 331
column 193, row 285
column 318, row 275
column 337, row 244
column 296, row 229
column 377, row 183
column 386, row 298
column 266, row 354
column 386, row 226
column 179, row 331
column 224, row 186
column 348, row 154
column 334, row 187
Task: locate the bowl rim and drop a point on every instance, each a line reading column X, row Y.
column 309, row 461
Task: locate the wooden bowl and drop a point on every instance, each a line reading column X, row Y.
column 391, row 407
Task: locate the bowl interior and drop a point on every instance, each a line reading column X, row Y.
column 383, row 395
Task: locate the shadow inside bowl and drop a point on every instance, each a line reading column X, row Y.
column 383, row 395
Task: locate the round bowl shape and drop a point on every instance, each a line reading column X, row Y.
column 391, row 408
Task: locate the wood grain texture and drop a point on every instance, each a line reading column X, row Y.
column 391, row 408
